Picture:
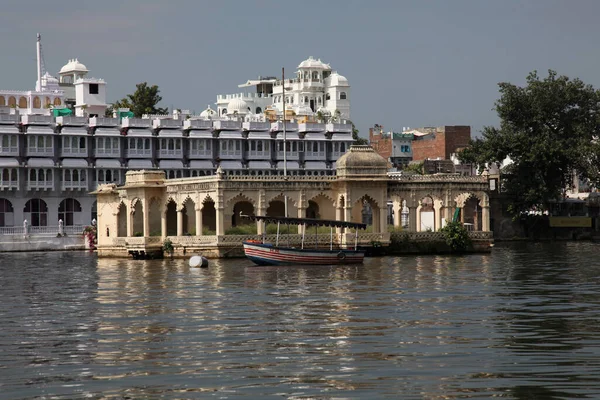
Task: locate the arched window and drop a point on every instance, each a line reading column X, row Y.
column 57, row 101
column 2, row 101
column 258, row 110
column 327, row 96
column 224, row 111
column 37, row 103
column 306, row 99
column 319, row 100
column 12, row 102
column 36, row 212
column 22, row 102
column 342, row 95
column 343, row 147
column 47, row 101
column 68, row 211
column 6, row 213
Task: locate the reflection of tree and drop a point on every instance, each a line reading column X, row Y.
column 543, row 320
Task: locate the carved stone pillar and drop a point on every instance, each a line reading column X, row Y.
column 376, row 219
column 261, row 210
column 485, row 218
column 301, row 214
column 339, row 216
column 412, row 218
column 383, row 219
column 163, row 222
column 418, row 218
column 438, row 216
column 198, row 221
column 146, row 218
column 180, row 222
column 129, row 221
column 220, row 217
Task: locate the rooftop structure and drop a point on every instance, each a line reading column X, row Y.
column 315, row 93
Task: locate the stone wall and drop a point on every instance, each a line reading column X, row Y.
column 41, row 243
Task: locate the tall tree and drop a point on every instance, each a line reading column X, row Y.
column 142, row 101
column 357, row 139
column 549, row 129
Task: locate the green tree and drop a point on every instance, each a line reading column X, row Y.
column 357, row 139
column 549, row 129
column 142, row 101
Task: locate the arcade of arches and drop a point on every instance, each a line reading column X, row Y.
column 148, row 205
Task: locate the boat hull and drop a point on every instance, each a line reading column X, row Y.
column 267, row 254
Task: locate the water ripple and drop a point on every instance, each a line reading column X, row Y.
column 519, row 323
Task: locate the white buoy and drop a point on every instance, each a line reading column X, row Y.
column 198, row 261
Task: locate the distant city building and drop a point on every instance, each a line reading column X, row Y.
column 51, row 159
column 439, row 143
column 393, row 146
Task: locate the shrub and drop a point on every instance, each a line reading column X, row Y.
column 168, row 246
column 457, row 236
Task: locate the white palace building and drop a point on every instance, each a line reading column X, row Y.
column 56, row 145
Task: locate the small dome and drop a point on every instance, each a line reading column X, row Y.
column 312, row 63
column 336, row 79
column 238, row 105
column 362, row 161
column 208, row 113
column 73, row 66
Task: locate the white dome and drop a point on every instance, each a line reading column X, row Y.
column 238, row 105
column 208, row 113
column 73, row 66
column 312, row 63
column 336, row 79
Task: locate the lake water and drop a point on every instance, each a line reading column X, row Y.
column 522, row 322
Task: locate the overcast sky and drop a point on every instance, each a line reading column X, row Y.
column 410, row 63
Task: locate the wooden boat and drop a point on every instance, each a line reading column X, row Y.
column 273, row 254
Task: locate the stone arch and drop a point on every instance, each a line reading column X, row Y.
column 137, row 216
column 291, row 199
column 154, row 216
column 426, row 214
column 240, row 203
column 276, row 207
column 189, row 216
column 2, row 101
column 12, row 101
column 461, row 198
column 47, row 101
column 363, row 209
column 171, row 215
column 36, row 212
column 209, row 216
column 471, row 213
column 323, row 205
column 22, row 102
column 122, row 220
column 57, row 101
column 37, row 102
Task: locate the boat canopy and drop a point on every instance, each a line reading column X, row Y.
column 306, row 221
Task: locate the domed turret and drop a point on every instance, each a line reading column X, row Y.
column 73, row 66
column 362, row 162
column 336, row 79
column 312, row 63
column 237, row 106
column 208, row 113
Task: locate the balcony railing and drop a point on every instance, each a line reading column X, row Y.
column 74, row 152
column 40, row 185
column 227, row 125
column 72, row 121
column 51, row 230
column 256, row 126
column 197, row 124
column 136, row 123
column 104, row 121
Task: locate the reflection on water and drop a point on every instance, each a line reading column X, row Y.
column 518, row 323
